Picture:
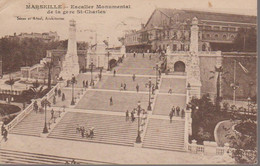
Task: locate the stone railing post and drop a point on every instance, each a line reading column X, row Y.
column 226, row 147
column 187, row 128
column 193, row 146
column 1, row 123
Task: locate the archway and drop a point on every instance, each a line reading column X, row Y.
column 112, row 63
column 179, row 66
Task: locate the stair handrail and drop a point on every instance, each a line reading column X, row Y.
column 29, row 108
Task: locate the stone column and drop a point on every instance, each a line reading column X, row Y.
column 194, row 146
column 194, row 38
column 210, row 147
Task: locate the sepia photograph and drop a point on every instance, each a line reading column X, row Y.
column 119, row 82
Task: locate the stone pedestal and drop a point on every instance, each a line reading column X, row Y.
column 71, row 63
column 193, row 146
column 138, row 145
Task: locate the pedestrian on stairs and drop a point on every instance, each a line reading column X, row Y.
column 59, row 92
column 150, row 56
column 126, row 115
column 143, row 55
column 77, row 128
column 83, row 83
column 137, row 88
column 86, row 85
column 178, row 110
column 55, row 91
column 182, row 113
column 82, row 132
column 5, row 133
column 134, row 54
column 173, row 111
column 114, row 73
column 52, row 113
column 170, row 91
column 111, row 100
column 132, row 116
column 133, row 77
column 124, row 86
column 63, row 97
column 171, row 115
column 121, row 88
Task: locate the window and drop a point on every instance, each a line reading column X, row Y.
column 224, row 28
column 232, row 36
column 208, row 35
column 224, row 36
column 232, row 29
column 216, row 28
column 174, row 47
column 216, row 35
column 208, row 27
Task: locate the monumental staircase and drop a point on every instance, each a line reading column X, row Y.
column 165, row 135
column 18, row 157
column 109, row 129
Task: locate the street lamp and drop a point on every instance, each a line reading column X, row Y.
column 73, row 81
column 188, row 89
column 45, row 103
column 91, row 71
column 139, row 110
column 156, row 75
column 149, row 85
column 234, row 86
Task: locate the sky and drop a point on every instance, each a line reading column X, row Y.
column 113, row 24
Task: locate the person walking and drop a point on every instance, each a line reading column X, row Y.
column 83, row 84
column 124, row 86
column 121, row 87
column 55, row 91
column 59, row 92
column 52, row 113
column 54, row 100
column 126, row 115
column 114, row 73
column 173, row 111
column 63, row 97
column 82, row 132
column 77, row 129
column 182, row 113
column 86, row 85
column 5, row 133
column 178, row 110
column 150, row 57
column 132, row 116
column 133, row 77
column 137, row 88
column 111, row 100
column 134, row 54
column 171, row 115
column 143, row 55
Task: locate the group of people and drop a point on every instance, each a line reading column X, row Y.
column 123, row 86
column 176, row 112
column 143, row 116
column 88, row 133
column 72, row 162
column 60, row 94
column 4, row 132
column 150, row 56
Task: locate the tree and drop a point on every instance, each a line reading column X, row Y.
column 220, row 73
column 10, row 82
column 36, row 90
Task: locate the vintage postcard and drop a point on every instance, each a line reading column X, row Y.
column 128, row 82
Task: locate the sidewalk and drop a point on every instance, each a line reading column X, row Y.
column 103, row 152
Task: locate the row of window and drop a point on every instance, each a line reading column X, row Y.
column 216, row 36
column 218, row 28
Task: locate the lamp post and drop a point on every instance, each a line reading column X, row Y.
column 139, row 110
column 234, row 86
column 73, row 81
column 91, row 71
column 156, row 75
column 45, row 103
column 188, row 89
column 149, row 85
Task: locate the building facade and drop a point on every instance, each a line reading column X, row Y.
column 171, row 27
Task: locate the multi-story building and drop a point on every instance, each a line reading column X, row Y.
column 171, row 27
column 46, row 36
